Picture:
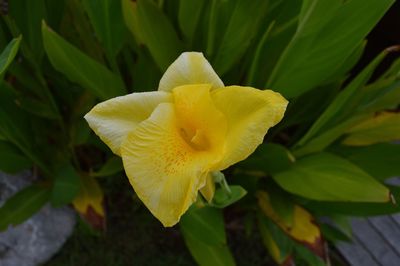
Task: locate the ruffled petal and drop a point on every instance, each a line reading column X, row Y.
column 165, row 171
column 189, row 68
column 250, row 113
column 112, row 120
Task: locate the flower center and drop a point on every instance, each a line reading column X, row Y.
column 195, row 138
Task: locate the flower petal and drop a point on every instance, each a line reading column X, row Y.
column 164, row 170
column 112, row 120
column 209, row 188
column 250, row 113
column 189, row 68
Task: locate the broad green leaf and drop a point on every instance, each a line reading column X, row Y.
column 15, row 126
column 158, row 34
column 106, row 18
column 111, row 167
column 327, row 34
column 66, row 185
column 380, row 160
column 327, row 177
column 204, row 234
column 239, row 33
column 189, row 14
column 381, row 95
column 80, row 68
column 333, row 234
column 322, row 141
column 309, row 257
column 282, row 22
column 223, row 199
column 129, row 11
column 11, row 160
column 205, row 224
column 23, row 205
column 38, row 108
column 344, row 102
column 207, row 255
column 28, row 16
column 269, row 158
column 383, row 127
column 8, row 54
column 355, row 209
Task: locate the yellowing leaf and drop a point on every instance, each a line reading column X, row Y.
column 90, row 195
column 381, row 128
column 302, row 228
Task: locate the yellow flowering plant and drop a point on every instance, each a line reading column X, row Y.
column 172, row 140
column 96, row 93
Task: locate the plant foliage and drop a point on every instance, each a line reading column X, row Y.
column 330, row 156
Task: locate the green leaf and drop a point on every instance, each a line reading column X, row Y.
column 205, row 224
column 223, row 199
column 80, row 68
column 129, row 11
column 281, row 21
column 380, row 160
column 38, row 108
column 189, row 14
column 8, row 54
column 339, row 110
column 333, row 234
column 15, row 126
column 22, row 205
column 328, row 32
column 11, row 160
column 206, row 255
column 383, row 127
column 239, row 33
column 204, row 234
column 66, row 185
column 27, row 16
column 158, row 34
column 269, row 158
column 111, row 167
column 327, row 177
column 355, row 209
column 106, row 18
column 301, row 252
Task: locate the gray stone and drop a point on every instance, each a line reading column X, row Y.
column 37, row 239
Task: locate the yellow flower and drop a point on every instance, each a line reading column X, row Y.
column 171, row 140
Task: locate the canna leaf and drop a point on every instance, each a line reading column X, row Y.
column 204, row 234
column 158, row 34
column 315, row 51
column 239, row 33
column 382, row 128
column 66, row 186
column 11, row 160
column 79, row 67
column 23, row 205
column 8, row 54
column 108, row 24
column 379, row 160
column 328, row 177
